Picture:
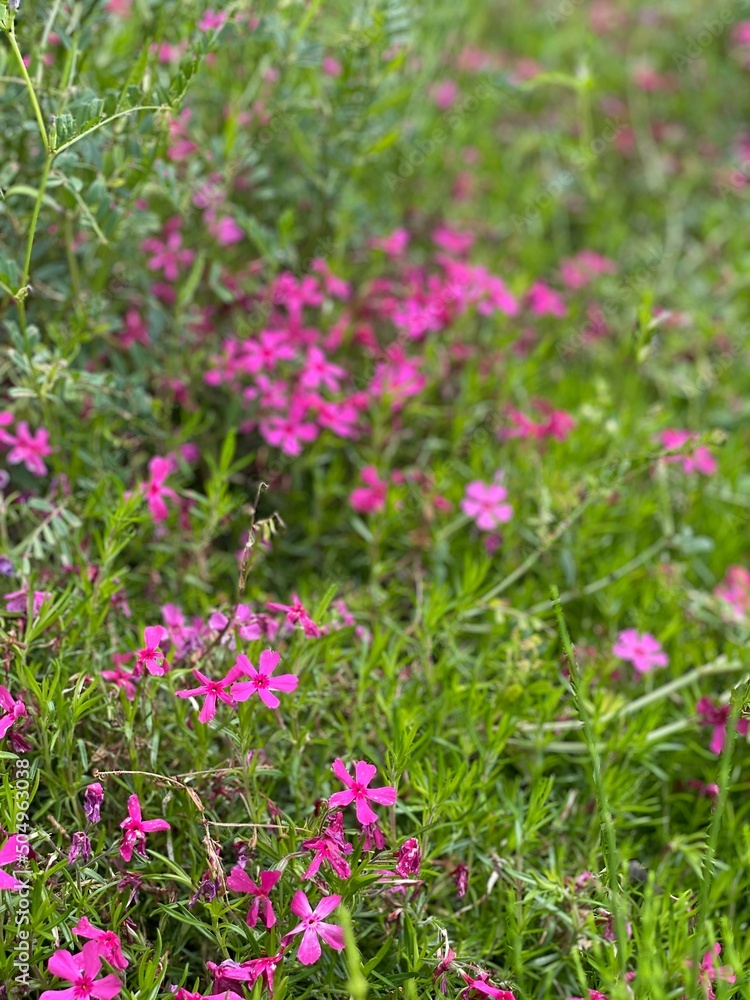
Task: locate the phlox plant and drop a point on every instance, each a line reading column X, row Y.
column 374, row 502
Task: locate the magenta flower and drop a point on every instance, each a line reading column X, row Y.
column 136, row 828
column 708, row 973
column 701, row 460
column 240, row 881
column 253, row 970
column 372, row 496
column 735, row 590
column 485, row 503
column 107, row 942
column 80, row 847
column 358, row 792
column 183, row 994
column 121, row 678
column 13, row 710
column 330, row 846
column 81, row 971
column 212, row 20
column 394, row 245
column 134, row 329
column 168, row 256
column 213, row 690
column 19, row 600
column 296, row 614
column 155, row 491
column 717, row 716
column 545, row 301
column 11, row 853
column 409, row 859
column 261, row 680
column 30, row 448
column 313, row 927
column 642, row 650
column 151, row 657
column 483, row 987
column 92, row 802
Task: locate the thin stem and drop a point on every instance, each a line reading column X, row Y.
column 35, row 220
column 602, row 801
column 739, row 696
column 11, row 33
column 617, row 574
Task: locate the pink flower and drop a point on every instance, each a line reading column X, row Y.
column 579, row 270
column 240, row 881
column 444, row 93
column 701, row 459
column 545, row 301
column 156, row 492
column 289, row 432
column 224, row 229
column 107, row 942
column 92, row 802
column 314, row 927
column 212, row 20
column 168, row 256
column 136, row 828
column 151, row 657
column 735, row 590
column 485, row 503
column 330, row 846
column 372, row 496
column 134, row 329
column 357, row 790
column 121, row 8
column 183, row 994
column 331, row 66
column 213, row 691
column 592, row 995
column 296, row 613
column 394, row 245
column 30, row 448
column 318, row 370
column 452, row 240
column 19, row 600
column 6, row 419
column 252, row 970
column 261, row 680
column 708, row 973
column 483, row 987
column 13, row 710
column 717, row 716
column 81, row 971
column 642, row 650
column 120, row 677
column 409, row 859
column 11, row 852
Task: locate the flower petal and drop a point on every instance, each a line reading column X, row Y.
column 341, row 772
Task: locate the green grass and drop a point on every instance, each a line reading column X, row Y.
column 483, row 686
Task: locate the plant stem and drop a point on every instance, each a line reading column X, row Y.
column 739, row 695
column 11, row 33
column 602, row 801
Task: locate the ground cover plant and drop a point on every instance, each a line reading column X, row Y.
column 374, row 502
